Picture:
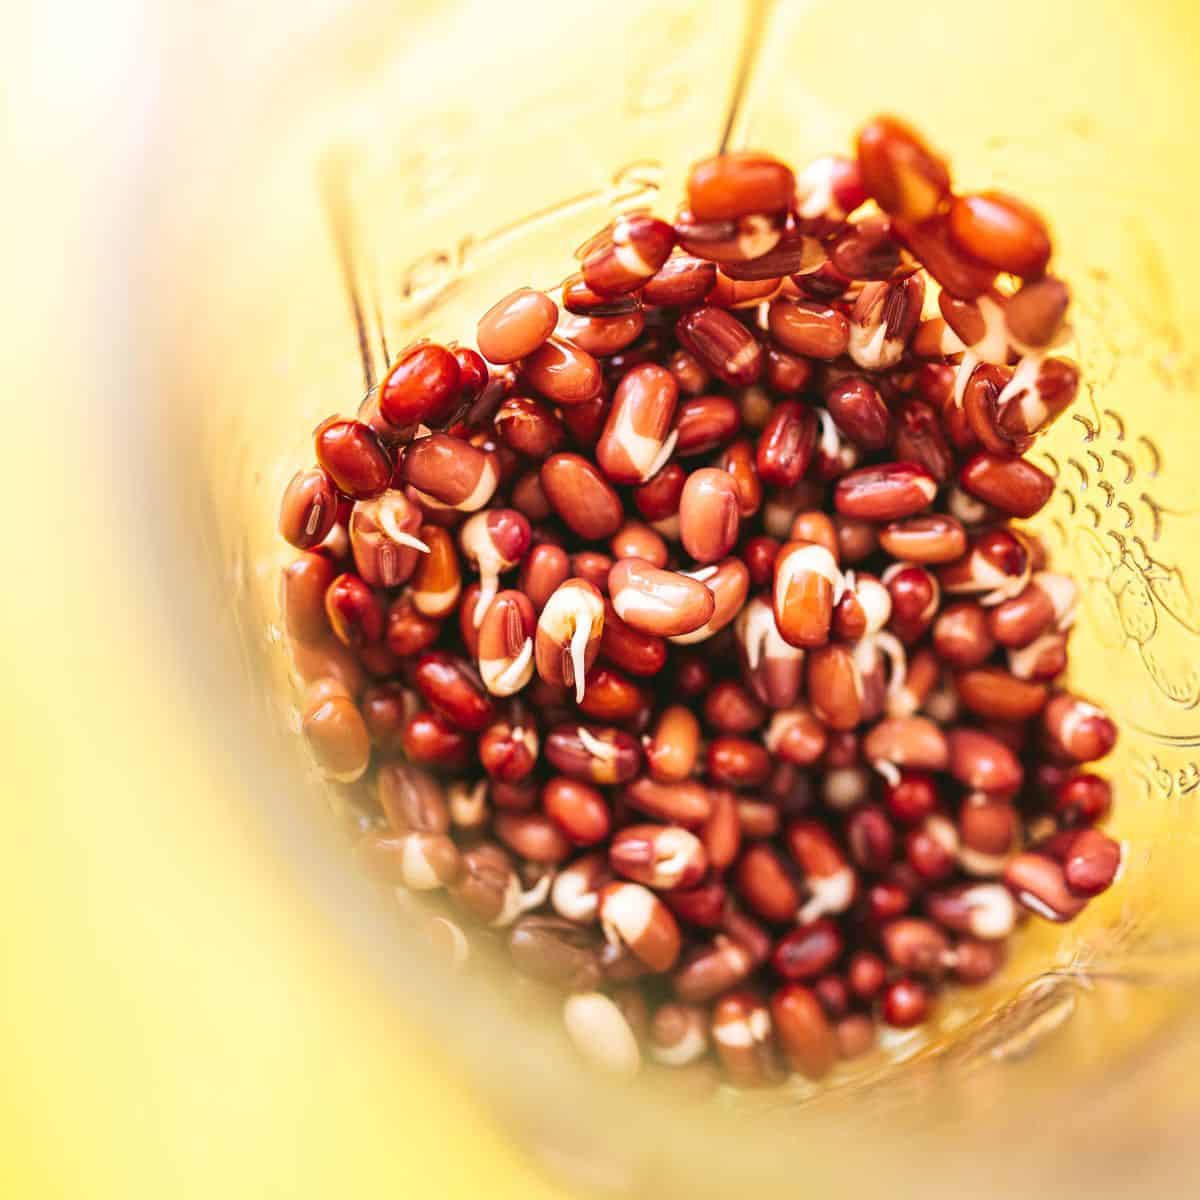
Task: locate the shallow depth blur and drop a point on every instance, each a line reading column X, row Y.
column 457, row 156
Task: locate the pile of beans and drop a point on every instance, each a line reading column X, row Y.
column 682, row 635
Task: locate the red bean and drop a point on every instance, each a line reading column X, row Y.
column 809, row 951
column 1092, row 862
column 581, row 496
column 308, row 510
column 636, row 918
column 992, row 692
column 422, row 387
column 737, row 762
column 302, row 597
column 1040, row 884
column 681, row 281
column 807, row 1039
column 412, row 799
column 672, row 750
column 451, row 470
column 657, row 602
column 702, row 423
column 563, row 373
column 516, row 326
column 578, row 298
column 736, row 185
column 982, row 762
column 722, row 343
column 623, row 257
column 634, row 444
column 921, row 439
column 989, row 828
column 1076, row 730
column 595, row 754
column 806, row 581
column 354, row 611
column 353, row 457
column 859, row 412
column 663, row 857
column 899, row 171
column 1035, row 314
column 957, row 273
column 870, row 838
column 328, row 659
column 338, row 736
column 739, row 239
column 542, row 570
column 786, row 444
column 1082, row 799
column 856, row 782
column 508, row 752
column 886, row 492
column 452, row 689
column 1012, row 485
column 962, row 636
column 529, row 426
column 686, row 803
column 809, row 327
column 926, row 538
column 794, row 252
column 629, row 649
column 1001, row 231
column 578, row 809
column 611, row 696
column 709, row 515
column 906, row 1003
column 658, row 498
column 742, row 293
column 603, row 337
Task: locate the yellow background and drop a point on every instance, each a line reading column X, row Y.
column 173, row 1023
column 177, row 1019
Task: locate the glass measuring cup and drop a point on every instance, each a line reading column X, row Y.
column 400, row 171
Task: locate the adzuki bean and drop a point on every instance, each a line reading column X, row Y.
column 685, row 637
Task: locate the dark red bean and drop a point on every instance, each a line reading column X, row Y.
column 1082, row 799
column 859, row 412
column 956, row 272
column 722, row 343
column 885, row 492
column 866, row 249
column 452, row 689
column 786, row 445
column 353, row 457
column 432, row 739
column 354, row 611
column 809, row 951
column 905, row 1003
column 409, row 631
column 422, row 387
